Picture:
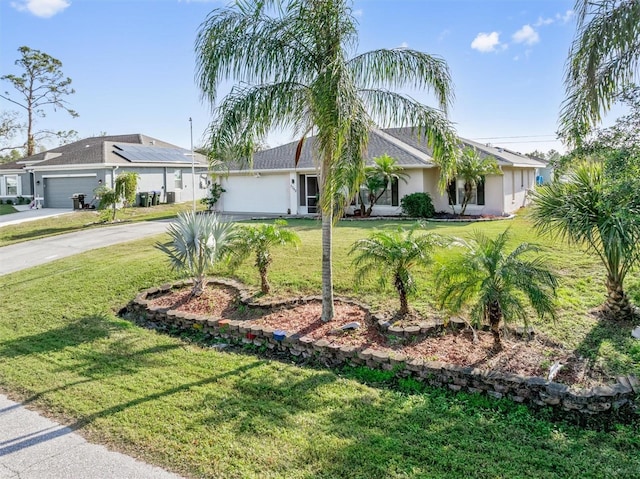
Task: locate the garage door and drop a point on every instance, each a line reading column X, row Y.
column 58, row 191
column 256, row 194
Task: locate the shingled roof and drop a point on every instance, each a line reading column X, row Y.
column 402, row 144
column 96, row 150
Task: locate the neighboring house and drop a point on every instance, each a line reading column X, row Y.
column 54, row 176
column 544, row 174
column 274, row 185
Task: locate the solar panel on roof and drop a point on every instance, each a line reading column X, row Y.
column 152, row 154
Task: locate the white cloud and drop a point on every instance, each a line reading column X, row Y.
column 358, row 13
column 566, row 17
column 404, row 45
column 486, row 42
column 543, row 21
column 526, row 35
column 41, row 8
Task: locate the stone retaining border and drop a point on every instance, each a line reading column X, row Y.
column 619, row 399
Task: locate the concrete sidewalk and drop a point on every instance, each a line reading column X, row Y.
column 34, row 447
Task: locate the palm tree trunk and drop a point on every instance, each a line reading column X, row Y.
column 617, row 306
column 199, row 283
column 327, row 272
column 402, row 293
column 265, row 286
column 495, row 316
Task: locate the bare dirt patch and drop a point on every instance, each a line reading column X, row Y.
column 526, row 357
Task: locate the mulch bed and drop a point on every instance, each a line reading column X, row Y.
column 526, row 357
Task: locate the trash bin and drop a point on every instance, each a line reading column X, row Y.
column 145, row 199
column 171, row 197
column 76, row 202
column 155, row 200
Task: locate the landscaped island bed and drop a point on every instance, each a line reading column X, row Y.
column 427, row 352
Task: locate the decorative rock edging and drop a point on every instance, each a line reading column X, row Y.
column 616, row 399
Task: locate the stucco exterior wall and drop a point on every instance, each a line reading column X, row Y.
column 517, row 183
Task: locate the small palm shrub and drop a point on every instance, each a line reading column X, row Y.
column 197, row 243
column 259, row 240
column 394, row 255
column 491, row 282
column 418, row 205
column 591, row 207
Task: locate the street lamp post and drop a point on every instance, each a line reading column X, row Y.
column 193, row 168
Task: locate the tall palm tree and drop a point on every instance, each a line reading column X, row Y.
column 488, row 279
column 472, row 169
column 602, row 60
column 197, row 243
column 393, row 254
column 259, row 240
column 293, row 61
column 378, row 178
column 585, row 209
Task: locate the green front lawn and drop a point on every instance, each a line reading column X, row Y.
column 6, row 209
column 209, row 413
column 81, row 220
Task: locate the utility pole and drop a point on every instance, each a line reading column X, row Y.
column 193, row 168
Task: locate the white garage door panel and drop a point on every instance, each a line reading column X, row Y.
column 58, row 191
column 248, row 194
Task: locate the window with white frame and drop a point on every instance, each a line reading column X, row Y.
column 11, row 183
column 456, row 193
column 177, row 179
column 388, row 198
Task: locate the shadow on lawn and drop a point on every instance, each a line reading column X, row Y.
column 84, row 421
column 612, row 341
column 73, row 334
column 440, row 435
column 367, row 433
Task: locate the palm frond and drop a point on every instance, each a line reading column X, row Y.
column 404, row 68
column 603, row 58
column 248, row 113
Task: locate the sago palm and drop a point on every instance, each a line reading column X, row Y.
column 197, row 243
column 584, row 208
column 603, row 59
column 295, row 69
column 492, row 282
column 393, row 255
column 259, row 240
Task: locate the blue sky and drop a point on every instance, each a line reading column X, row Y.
column 132, row 62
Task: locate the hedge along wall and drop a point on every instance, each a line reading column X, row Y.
column 617, row 399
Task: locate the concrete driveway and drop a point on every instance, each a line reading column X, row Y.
column 25, row 214
column 33, row 253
